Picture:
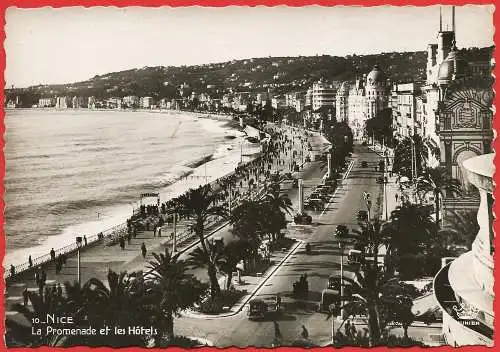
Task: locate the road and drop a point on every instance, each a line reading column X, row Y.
column 323, row 262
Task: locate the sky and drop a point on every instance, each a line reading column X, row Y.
column 47, row 46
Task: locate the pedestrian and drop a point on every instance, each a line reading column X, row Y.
column 277, row 333
column 37, row 277
column 354, row 333
column 58, row 267
column 85, row 239
column 154, row 232
column 278, row 301
column 304, row 334
column 25, row 296
column 159, row 231
column 53, row 254
column 347, row 328
column 129, row 238
column 122, row 243
column 143, row 250
column 59, row 290
column 30, row 261
column 396, row 197
column 64, row 258
column 12, row 270
column 43, row 277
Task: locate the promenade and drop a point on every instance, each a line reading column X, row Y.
column 97, row 258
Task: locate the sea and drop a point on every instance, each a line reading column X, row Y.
column 73, row 173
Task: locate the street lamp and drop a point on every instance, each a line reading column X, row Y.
column 341, row 246
column 78, row 246
column 368, row 202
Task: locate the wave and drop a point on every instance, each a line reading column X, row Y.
column 199, row 161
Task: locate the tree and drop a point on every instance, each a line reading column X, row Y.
column 403, row 158
column 200, row 205
column 19, row 333
column 462, row 227
column 211, row 258
column 410, row 231
column 397, row 306
column 380, row 126
column 233, row 253
column 437, row 181
column 278, row 202
column 115, row 304
column 172, row 290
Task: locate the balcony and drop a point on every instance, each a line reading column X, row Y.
column 461, row 325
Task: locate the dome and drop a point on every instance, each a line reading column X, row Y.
column 344, row 89
column 376, row 76
column 452, row 67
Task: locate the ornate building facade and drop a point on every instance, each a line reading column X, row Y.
column 458, row 103
column 363, row 100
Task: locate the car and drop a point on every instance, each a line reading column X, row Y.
column 315, row 204
column 362, row 215
column 341, row 231
column 303, row 219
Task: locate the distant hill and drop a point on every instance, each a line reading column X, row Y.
column 280, row 74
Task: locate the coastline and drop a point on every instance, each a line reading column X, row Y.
column 115, row 224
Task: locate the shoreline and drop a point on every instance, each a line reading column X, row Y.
column 117, row 225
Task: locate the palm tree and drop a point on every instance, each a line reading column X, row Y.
column 115, row 305
column 437, row 181
column 461, row 230
column 21, row 333
column 279, row 201
column 199, row 205
column 374, row 293
column 171, row 289
column 403, row 156
column 410, row 228
column 211, row 258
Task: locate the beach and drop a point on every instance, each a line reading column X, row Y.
column 105, row 168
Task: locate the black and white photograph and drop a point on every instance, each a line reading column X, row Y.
column 249, row 176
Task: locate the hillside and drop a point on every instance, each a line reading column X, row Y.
column 281, row 74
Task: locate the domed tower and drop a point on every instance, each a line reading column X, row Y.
column 342, row 102
column 376, row 92
column 453, row 67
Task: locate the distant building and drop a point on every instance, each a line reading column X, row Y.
column 131, row 101
column 46, row 102
column 322, row 94
column 278, row 102
column 404, row 112
column 91, row 102
column 367, row 97
column 146, row 102
column 77, row 102
column 342, row 102
column 62, row 102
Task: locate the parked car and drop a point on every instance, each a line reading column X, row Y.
column 362, row 215
column 341, row 231
column 303, row 219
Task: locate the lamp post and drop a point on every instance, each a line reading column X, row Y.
column 78, row 246
column 174, row 233
column 341, row 246
column 368, row 202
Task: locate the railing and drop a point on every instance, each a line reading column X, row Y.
column 109, row 233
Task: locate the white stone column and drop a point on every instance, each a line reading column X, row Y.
column 479, row 172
